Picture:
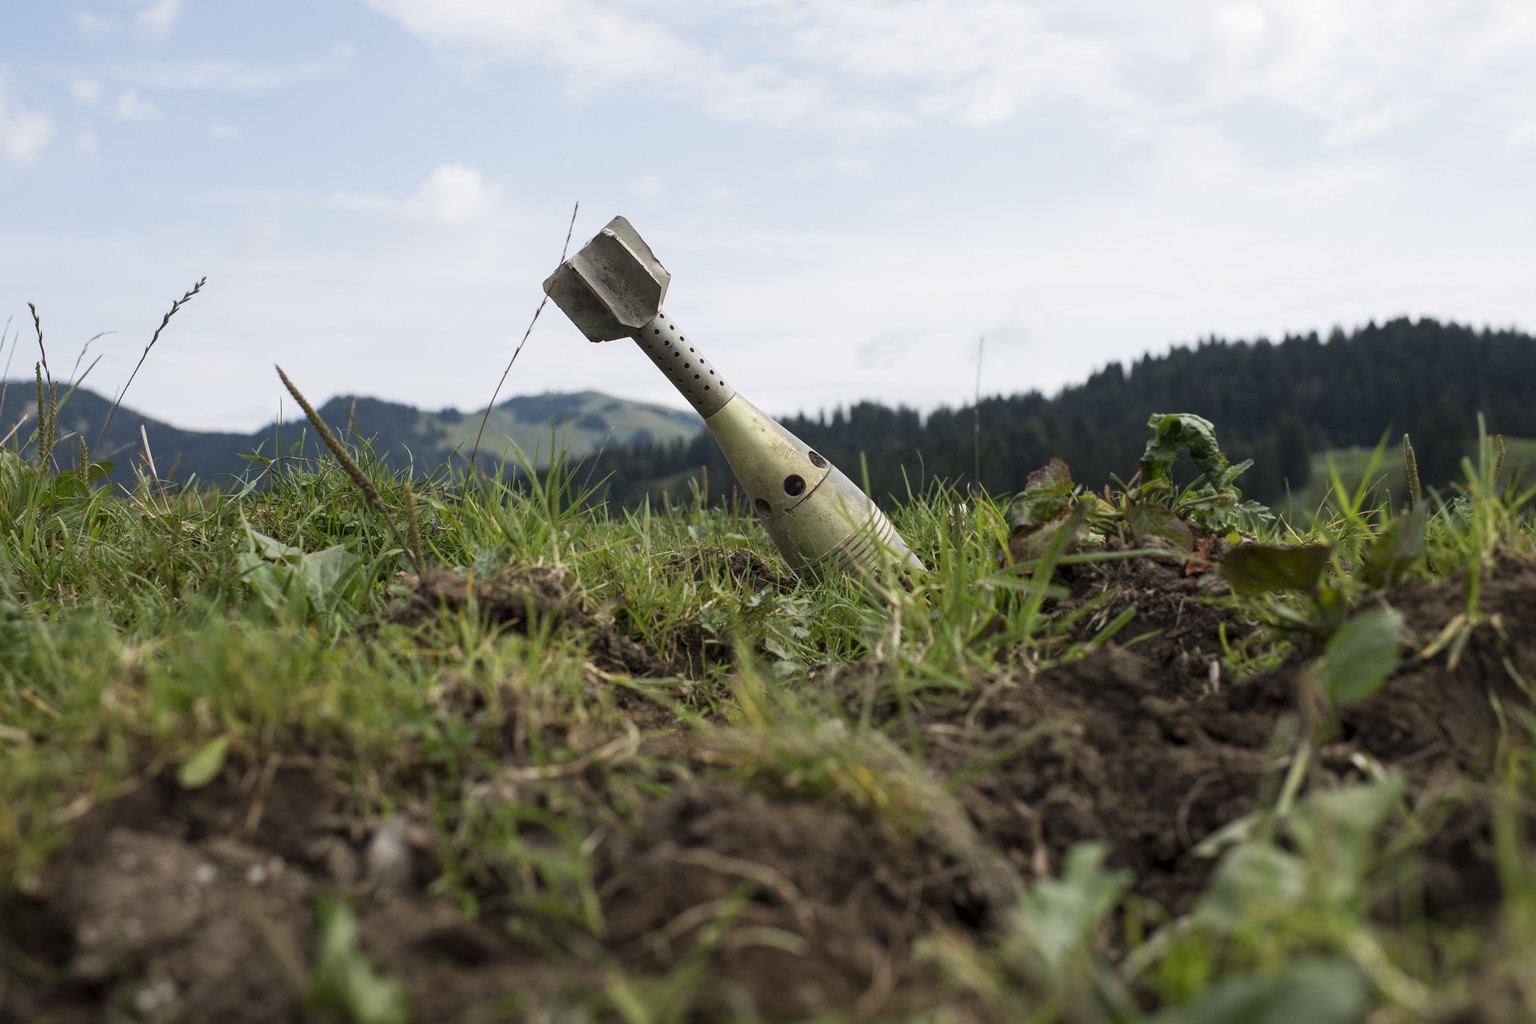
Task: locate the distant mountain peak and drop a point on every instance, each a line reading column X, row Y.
column 573, row 424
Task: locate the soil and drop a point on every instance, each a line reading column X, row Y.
column 178, row 905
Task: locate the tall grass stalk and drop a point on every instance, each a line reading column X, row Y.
column 164, row 321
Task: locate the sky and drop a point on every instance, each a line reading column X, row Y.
column 906, row 201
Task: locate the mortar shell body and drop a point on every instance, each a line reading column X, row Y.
column 816, row 516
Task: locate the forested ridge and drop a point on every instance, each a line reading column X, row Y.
column 1273, row 402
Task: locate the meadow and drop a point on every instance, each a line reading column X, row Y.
column 342, row 745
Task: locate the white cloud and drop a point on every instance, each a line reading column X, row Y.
column 157, row 16
column 842, row 168
column 451, row 195
column 454, row 195
column 1132, row 67
column 23, row 133
column 86, row 90
column 221, row 132
column 130, row 106
column 1365, row 68
column 1240, row 25
column 91, row 24
column 602, row 45
column 1194, row 162
column 1373, row 121
column 345, row 199
column 648, row 187
column 229, row 75
column 977, row 63
column 788, row 61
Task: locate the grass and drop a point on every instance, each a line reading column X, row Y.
column 195, row 634
column 1356, row 465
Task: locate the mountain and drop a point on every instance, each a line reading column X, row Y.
column 574, row 424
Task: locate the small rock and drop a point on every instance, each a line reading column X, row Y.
column 390, row 863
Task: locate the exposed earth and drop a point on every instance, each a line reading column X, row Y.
column 180, row 904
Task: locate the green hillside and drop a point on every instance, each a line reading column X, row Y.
column 573, row 425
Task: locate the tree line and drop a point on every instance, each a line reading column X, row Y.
column 1273, row 402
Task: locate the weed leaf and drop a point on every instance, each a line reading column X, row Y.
column 1255, row 881
column 1396, row 548
column 272, row 548
column 1315, row 991
column 1170, row 433
column 344, row 981
column 1046, row 498
column 1361, row 655
column 326, row 574
column 1156, row 526
column 1339, row 828
column 203, row 766
column 1061, row 916
column 1268, row 569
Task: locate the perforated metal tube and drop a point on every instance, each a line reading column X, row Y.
column 685, row 367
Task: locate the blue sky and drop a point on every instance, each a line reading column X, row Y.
column 848, row 193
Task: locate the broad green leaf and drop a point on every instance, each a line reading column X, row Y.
column 1172, row 432
column 1361, row 655
column 248, row 561
column 1159, row 526
column 1336, row 830
column 1047, row 496
column 1267, row 568
column 277, row 585
column 1062, row 915
column 1396, row 548
column 1330, row 607
column 1239, row 830
column 204, row 765
column 70, row 484
column 1048, row 542
column 1040, row 511
column 1314, row 991
column 1253, row 882
column 344, row 981
column 271, row 548
column 326, row 573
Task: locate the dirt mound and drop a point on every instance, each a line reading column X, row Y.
column 519, row 597
column 822, row 904
column 1130, row 747
column 199, row 904
column 176, row 904
column 1178, row 625
column 1434, row 717
column 742, row 567
column 1090, row 750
